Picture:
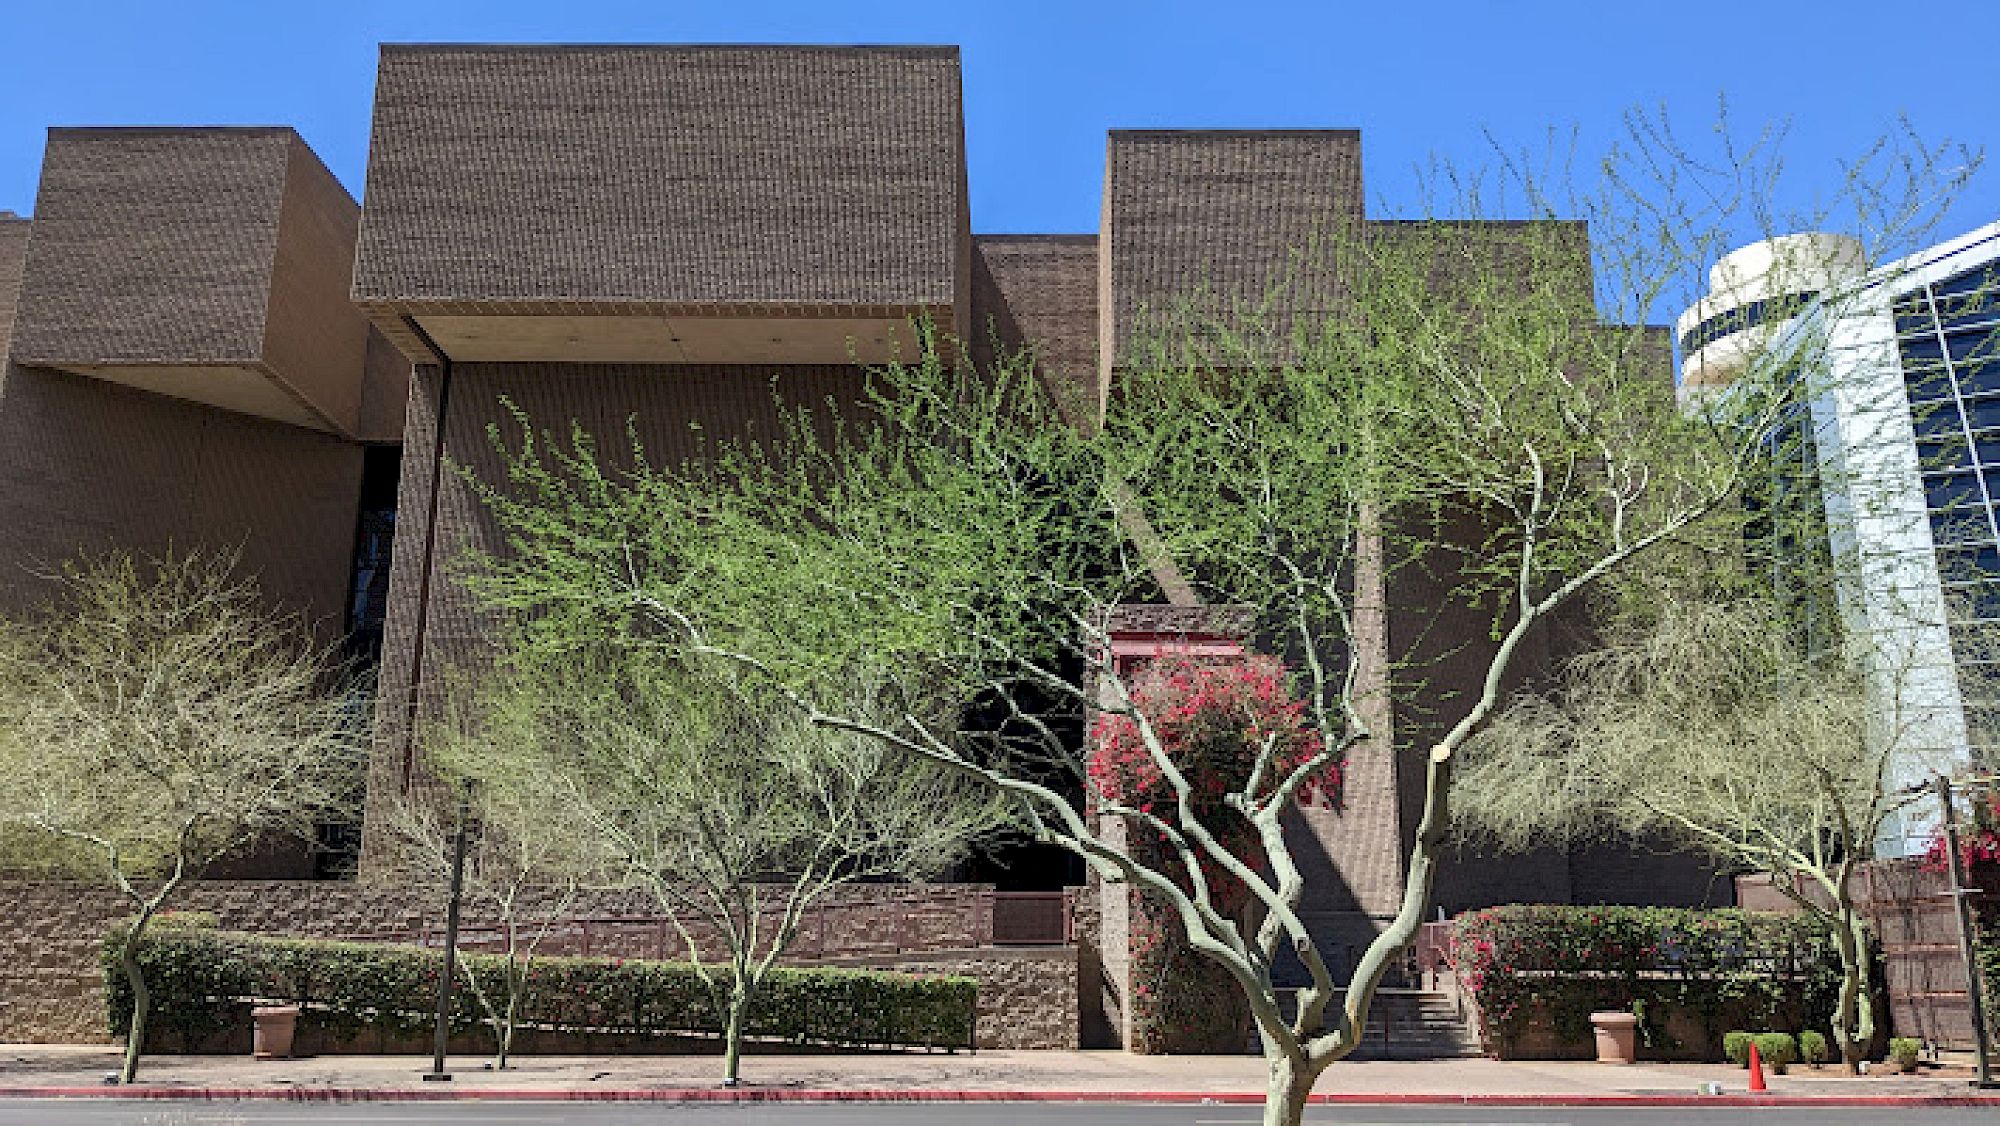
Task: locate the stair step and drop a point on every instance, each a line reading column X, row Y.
column 1406, row 1024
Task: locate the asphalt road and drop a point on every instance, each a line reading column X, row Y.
column 94, row 1112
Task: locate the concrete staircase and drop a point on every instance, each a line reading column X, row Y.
column 1407, row 1024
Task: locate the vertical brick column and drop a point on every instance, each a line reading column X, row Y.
column 1140, row 635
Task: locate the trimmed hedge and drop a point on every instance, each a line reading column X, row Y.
column 1776, row 1050
column 201, row 979
column 1905, row 1051
column 1705, row 971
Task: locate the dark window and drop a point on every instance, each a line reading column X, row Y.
column 1983, row 413
column 374, row 537
column 1922, row 349
column 1969, row 563
column 1928, row 380
column 1974, row 348
column 1961, row 526
column 1970, row 298
column 1974, row 601
column 1743, row 316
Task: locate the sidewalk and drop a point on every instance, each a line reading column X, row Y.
column 1079, row 1076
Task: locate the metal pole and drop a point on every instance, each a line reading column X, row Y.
column 1973, row 986
column 437, row 1073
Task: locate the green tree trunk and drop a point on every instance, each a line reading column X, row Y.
column 732, row 1033
column 1854, row 1011
column 142, row 998
column 1290, row 1087
column 504, row 1047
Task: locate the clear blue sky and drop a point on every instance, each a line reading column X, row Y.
column 1044, row 80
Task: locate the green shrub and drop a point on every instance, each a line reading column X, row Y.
column 1777, row 1049
column 200, row 980
column 1904, row 1051
column 1736, row 1048
column 1812, row 1047
column 1559, row 963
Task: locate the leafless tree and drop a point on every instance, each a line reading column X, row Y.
column 722, row 800
column 159, row 718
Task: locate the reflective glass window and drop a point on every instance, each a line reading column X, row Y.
column 1977, row 600
column 1983, row 413
column 1952, row 491
column 1950, row 451
column 1961, row 526
column 1934, row 420
column 1967, row 563
column 1928, row 380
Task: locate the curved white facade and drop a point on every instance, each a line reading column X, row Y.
column 1753, row 293
column 1890, row 394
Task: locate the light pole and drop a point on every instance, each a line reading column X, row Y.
column 437, row 1073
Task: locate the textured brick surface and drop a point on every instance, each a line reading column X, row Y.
column 13, row 255
column 153, row 246
column 1212, row 222
column 1027, row 996
column 664, row 174
column 385, row 391
column 1912, row 914
column 1041, row 295
column 87, row 465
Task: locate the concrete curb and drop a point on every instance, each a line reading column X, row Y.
column 810, row 1095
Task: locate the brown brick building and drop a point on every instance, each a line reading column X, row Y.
column 212, row 343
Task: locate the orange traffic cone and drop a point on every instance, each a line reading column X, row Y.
column 1756, row 1069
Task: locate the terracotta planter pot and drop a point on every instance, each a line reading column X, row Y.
column 272, row 1029
column 1617, row 1037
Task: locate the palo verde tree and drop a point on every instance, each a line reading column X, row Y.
column 1443, row 388
column 675, row 776
column 159, row 718
column 522, row 869
column 1712, row 726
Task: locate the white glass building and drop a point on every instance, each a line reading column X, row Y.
column 1895, row 437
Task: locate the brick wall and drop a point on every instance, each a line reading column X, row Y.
column 13, row 254
column 51, row 988
column 1911, row 911
column 87, row 465
column 1027, row 995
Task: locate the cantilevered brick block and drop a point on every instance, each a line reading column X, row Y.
column 205, row 264
column 663, row 204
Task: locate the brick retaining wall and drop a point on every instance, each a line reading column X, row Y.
column 51, row 988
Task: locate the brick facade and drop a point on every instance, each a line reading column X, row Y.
column 210, row 333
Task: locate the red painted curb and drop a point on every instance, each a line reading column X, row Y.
column 808, row 1095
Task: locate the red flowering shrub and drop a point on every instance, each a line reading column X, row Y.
column 1978, row 843
column 1212, row 719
